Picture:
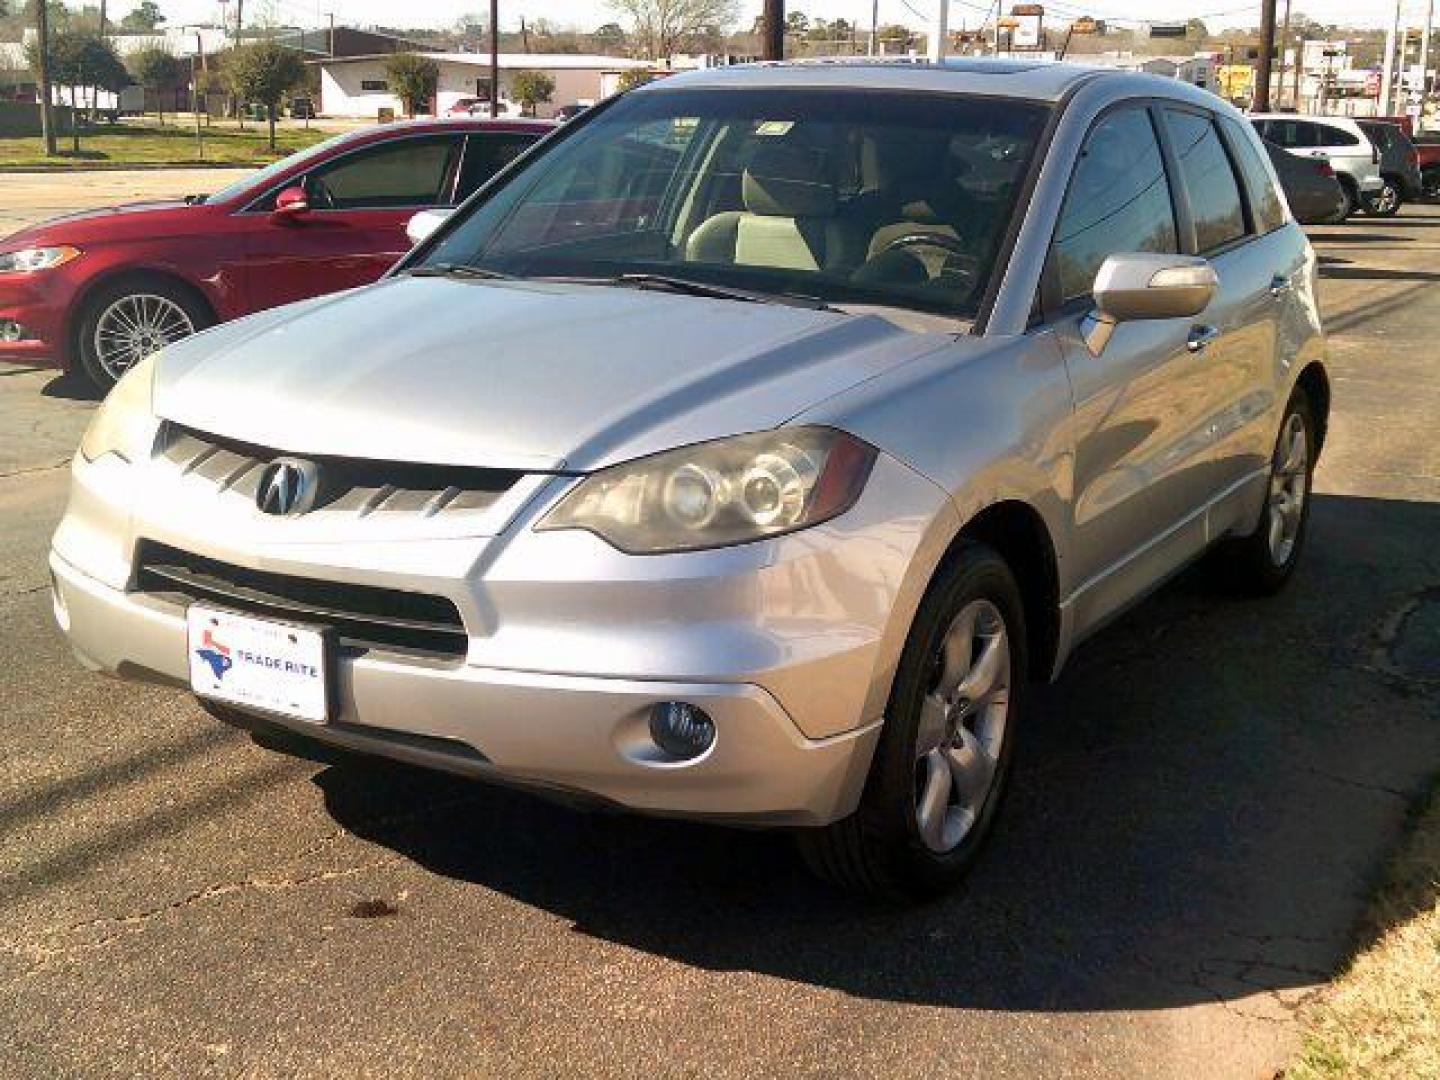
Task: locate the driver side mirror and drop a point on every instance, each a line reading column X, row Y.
column 291, row 203
column 420, row 227
column 1137, row 286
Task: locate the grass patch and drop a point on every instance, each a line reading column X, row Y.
column 1381, row 1018
column 151, row 144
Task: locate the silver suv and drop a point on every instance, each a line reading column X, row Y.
column 742, row 453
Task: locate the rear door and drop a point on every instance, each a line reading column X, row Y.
column 486, row 153
column 1238, row 231
column 354, row 230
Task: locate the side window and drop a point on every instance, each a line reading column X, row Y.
column 1265, row 204
column 406, row 172
column 1290, row 134
column 1119, row 201
column 487, row 154
column 1209, row 180
column 1325, row 135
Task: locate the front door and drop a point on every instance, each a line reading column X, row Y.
column 354, row 230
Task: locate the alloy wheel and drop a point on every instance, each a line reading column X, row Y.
column 962, row 726
column 1386, row 200
column 136, row 325
column 1289, row 483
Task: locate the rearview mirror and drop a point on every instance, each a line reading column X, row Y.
column 423, row 225
column 292, row 202
column 1136, row 286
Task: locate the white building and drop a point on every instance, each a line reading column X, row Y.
column 357, row 86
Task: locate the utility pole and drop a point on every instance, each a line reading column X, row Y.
column 330, row 47
column 1387, row 66
column 196, row 61
column 1284, row 40
column 494, row 58
column 1425, row 61
column 1262, row 65
column 773, row 43
column 239, row 19
column 42, row 76
column 102, row 18
column 940, row 31
column 874, row 27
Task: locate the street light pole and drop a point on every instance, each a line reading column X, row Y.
column 1425, row 60
column 940, row 31
column 1387, row 66
column 773, row 42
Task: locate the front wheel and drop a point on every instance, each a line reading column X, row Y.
column 127, row 320
column 943, row 758
column 1385, row 202
column 1260, row 564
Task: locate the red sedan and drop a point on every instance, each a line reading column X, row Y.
column 97, row 291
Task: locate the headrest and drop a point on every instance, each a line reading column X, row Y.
column 783, row 181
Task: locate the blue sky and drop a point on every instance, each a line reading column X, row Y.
column 590, row 13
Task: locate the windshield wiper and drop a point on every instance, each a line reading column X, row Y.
column 691, row 287
column 457, row 270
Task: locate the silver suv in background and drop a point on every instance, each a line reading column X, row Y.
column 744, row 456
column 1340, row 140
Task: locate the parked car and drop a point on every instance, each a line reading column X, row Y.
column 569, row 112
column 1310, row 187
column 1427, row 153
column 736, row 457
column 96, row 291
column 1339, row 140
column 302, row 108
column 1399, row 168
column 480, row 107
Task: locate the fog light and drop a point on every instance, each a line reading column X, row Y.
column 10, row 330
column 681, row 730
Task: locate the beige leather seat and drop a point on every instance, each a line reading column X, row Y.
column 788, row 223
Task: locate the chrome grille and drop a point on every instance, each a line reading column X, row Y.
column 358, row 486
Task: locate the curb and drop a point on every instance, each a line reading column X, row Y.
column 139, row 166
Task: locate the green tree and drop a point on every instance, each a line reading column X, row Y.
column 609, row 36
column 145, row 17
column 80, row 62
column 156, row 70
column 630, row 78
column 797, row 23
column 262, row 72
column 413, row 78
column 531, row 88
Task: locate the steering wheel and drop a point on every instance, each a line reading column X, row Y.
column 959, row 261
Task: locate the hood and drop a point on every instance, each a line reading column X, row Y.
column 145, row 219
column 517, row 375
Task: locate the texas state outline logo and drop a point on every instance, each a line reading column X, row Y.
column 216, row 654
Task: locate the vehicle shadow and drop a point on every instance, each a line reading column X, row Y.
column 1370, row 273
column 69, row 386
column 1198, row 812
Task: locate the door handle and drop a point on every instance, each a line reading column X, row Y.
column 1279, row 286
column 1200, row 336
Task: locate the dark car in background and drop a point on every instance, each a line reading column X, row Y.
column 1311, row 187
column 1399, row 167
column 96, row 292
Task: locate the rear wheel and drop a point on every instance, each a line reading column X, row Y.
column 1430, row 182
column 1385, row 202
column 1260, row 564
column 943, row 758
column 1349, row 200
column 127, row 320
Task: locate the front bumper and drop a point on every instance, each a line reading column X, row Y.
column 789, row 644
column 35, row 301
column 580, row 736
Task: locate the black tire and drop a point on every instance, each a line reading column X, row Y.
column 1350, row 200
column 1385, row 202
column 1249, row 565
column 1430, row 182
column 100, row 301
column 878, row 849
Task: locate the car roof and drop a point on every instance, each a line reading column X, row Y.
column 1032, row 80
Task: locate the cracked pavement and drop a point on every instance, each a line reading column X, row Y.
column 1197, row 818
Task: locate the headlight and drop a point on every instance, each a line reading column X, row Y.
column 125, row 424
column 726, row 492
column 36, row 258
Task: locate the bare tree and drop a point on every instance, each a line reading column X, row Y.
column 658, row 27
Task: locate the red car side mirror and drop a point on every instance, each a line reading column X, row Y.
column 292, row 202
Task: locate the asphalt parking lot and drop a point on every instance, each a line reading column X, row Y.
column 1194, row 827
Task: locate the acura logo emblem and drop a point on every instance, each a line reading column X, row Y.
column 287, row 487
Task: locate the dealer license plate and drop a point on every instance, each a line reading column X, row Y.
column 258, row 664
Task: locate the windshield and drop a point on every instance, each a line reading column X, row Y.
column 257, row 180
column 851, row 196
